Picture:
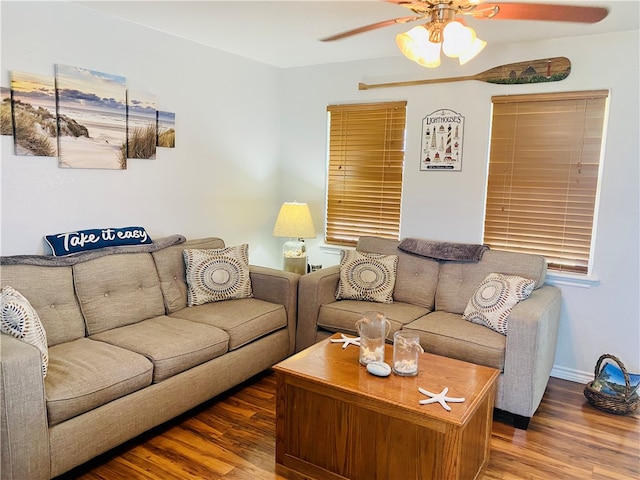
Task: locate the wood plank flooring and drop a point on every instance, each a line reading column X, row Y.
column 233, row 438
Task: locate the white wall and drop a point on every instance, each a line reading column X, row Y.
column 243, row 147
column 220, row 180
column 602, row 317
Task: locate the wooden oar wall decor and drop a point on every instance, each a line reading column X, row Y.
column 533, row 71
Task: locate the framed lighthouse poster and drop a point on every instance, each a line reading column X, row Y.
column 442, row 133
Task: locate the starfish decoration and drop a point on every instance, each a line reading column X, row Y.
column 441, row 398
column 346, row 340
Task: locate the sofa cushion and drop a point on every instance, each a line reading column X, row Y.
column 216, row 275
column 20, row 320
column 416, row 277
column 367, row 276
column 494, row 298
column 342, row 316
column 244, row 320
column 449, row 335
column 458, row 281
column 117, row 290
column 50, row 291
column 84, row 374
column 172, row 344
column 170, row 265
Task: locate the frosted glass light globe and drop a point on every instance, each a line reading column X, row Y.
column 457, row 39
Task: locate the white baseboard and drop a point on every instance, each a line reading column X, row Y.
column 571, row 374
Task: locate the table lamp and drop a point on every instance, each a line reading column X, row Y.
column 294, row 221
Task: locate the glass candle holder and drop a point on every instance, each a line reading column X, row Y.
column 373, row 328
column 406, row 351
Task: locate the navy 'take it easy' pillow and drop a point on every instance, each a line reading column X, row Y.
column 73, row 242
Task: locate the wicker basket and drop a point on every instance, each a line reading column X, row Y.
column 618, row 404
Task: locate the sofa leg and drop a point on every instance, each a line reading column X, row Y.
column 518, row 421
column 521, row 422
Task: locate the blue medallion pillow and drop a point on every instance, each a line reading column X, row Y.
column 82, row 240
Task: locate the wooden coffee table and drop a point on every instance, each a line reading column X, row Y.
column 334, row 420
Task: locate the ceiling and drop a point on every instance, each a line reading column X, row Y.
column 285, row 33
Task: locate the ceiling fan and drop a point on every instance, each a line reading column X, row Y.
column 442, row 29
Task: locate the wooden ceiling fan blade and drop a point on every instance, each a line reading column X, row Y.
column 539, row 11
column 411, row 3
column 373, row 26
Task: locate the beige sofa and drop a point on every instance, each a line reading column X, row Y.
column 430, row 296
column 125, row 352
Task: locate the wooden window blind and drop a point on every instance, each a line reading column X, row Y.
column 366, row 157
column 543, row 175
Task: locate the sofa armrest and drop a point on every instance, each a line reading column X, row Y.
column 280, row 287
column 24, row 434
column 530, row 350
column 314, row 290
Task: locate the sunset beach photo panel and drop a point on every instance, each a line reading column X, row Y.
column 142, row 128
column 166, row 129
column 6, row 122
column 92, row 119
column 33, row 105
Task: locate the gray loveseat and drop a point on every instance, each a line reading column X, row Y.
column 125, row 351
column 430, row 296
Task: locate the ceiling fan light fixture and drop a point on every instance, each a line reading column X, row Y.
column 429, row 55
column 415, row 45
column 458, row 38
column 423, row 43
column 435, row 31
column 411, row 41
column 474, row 49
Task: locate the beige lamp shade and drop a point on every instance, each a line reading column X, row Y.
column 294, row 220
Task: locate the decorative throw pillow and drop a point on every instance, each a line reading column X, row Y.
column 367, row 276
column 494, row 298
column 69, row 243
column 19, row 319
column 217, row 274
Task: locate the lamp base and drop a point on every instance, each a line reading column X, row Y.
column 294, row 257
column 295, row 264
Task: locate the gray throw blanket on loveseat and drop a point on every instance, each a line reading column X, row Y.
column 459, row 252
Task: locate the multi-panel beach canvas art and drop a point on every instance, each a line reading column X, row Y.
column 6, row 122
column 86, row 118
column 142, row 128
column 33, row 103
column 92, row 110
column 166, row 129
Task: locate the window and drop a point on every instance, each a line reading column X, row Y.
column 543, row 175
column 366, row 157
